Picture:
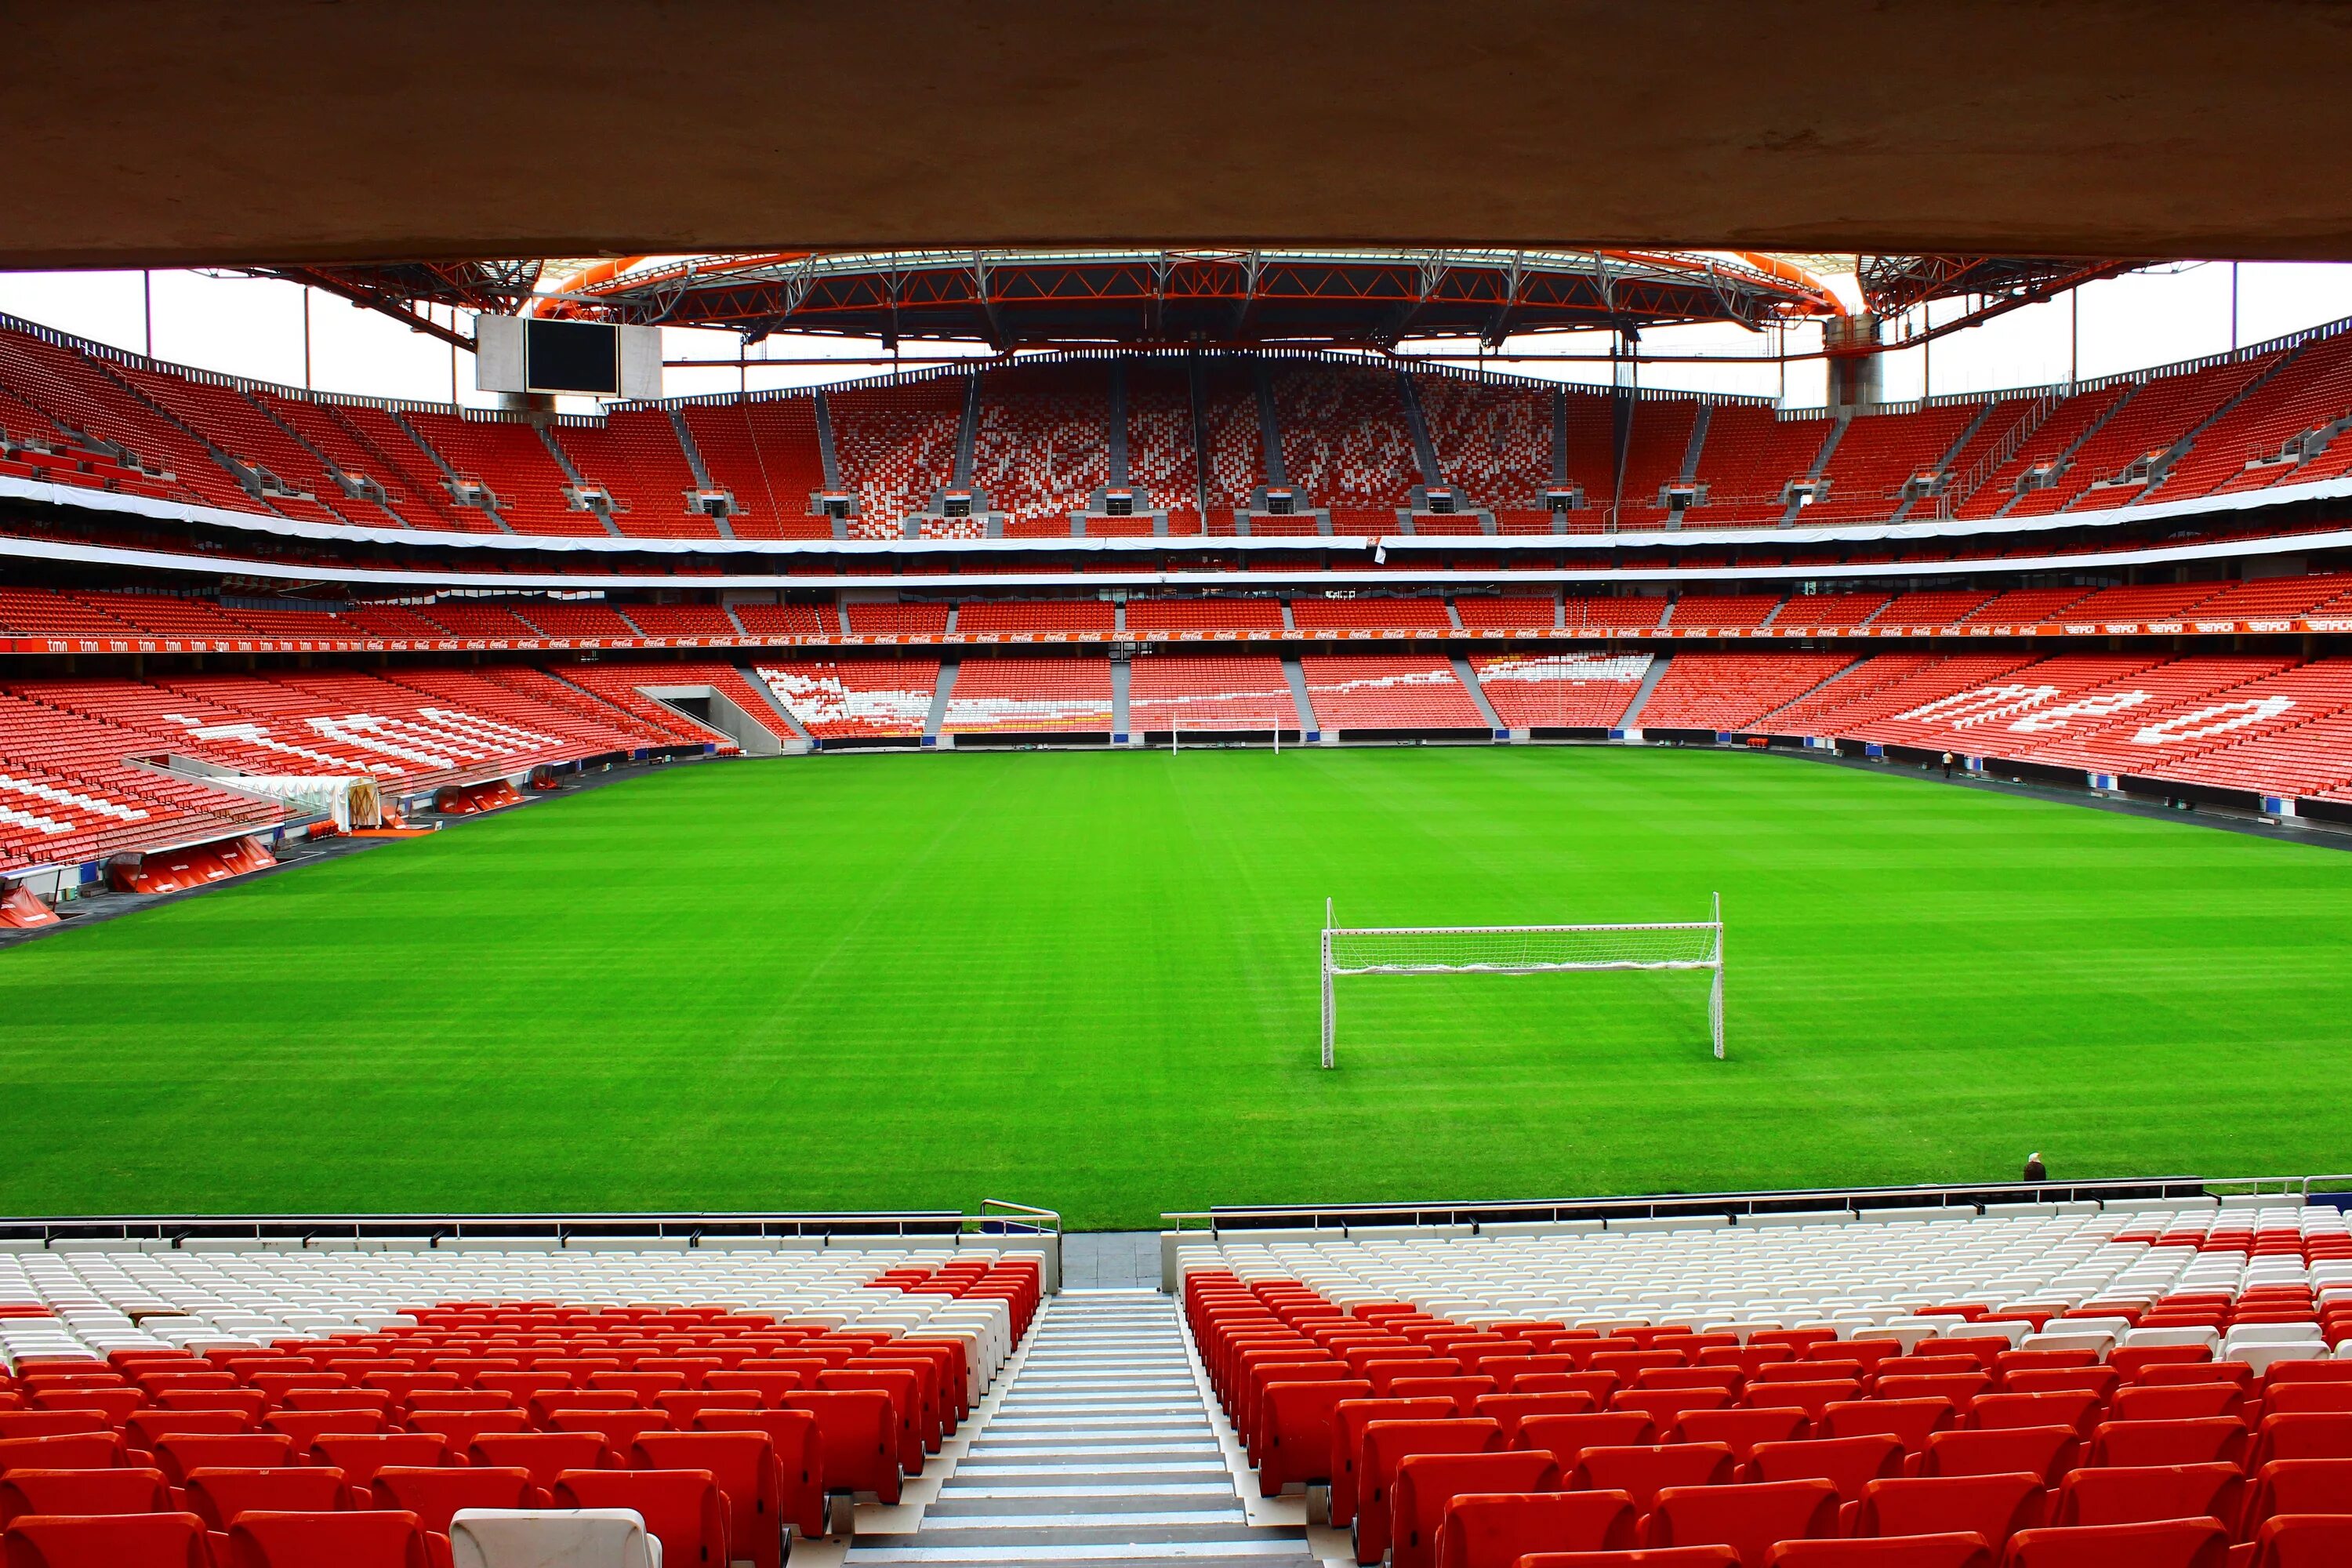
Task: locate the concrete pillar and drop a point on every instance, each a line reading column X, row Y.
column 1853, row 381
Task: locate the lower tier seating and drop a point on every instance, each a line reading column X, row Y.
column 1561, row 691
column 1386, row 691
column 855, row 698
column 1029, row 694
column 302, row 1407
column 1186, row 692
column 2025, row 1378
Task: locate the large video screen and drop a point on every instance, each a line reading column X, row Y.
column 572, row 357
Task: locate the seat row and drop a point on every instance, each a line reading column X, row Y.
column 1403, row 1420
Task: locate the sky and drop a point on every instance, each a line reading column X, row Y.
column 271, row 331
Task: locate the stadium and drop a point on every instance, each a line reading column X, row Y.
column 1578, row 801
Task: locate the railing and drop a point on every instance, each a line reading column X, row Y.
column 1477, row 1213
column 1991, row 462
column 997, row 1218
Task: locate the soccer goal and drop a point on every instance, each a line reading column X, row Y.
column 1521, row 950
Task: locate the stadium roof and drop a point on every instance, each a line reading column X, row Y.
column 1018, row 298
column 270, row 132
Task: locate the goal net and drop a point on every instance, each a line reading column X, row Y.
column 1522, row 950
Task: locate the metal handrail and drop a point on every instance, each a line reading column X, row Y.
column 1479, row 1212
column 435, row 1227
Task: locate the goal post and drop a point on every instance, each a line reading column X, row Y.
column 1521, row 950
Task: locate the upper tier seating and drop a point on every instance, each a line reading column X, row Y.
column 2064, row 424
column 788, row 620
column 1345, row 442
column 1750, row 455
column 2241, row 450
column 526, row 483
column 1734, row 690
column 1492, row 440
column 855, row 698
column 765, row 455
column 1386, row 691
column 1030, row 694
column 1236, row 445
column 2145, row 427
column 636, row 455
column 1878, row 454
column 1571, row 690
column 76, row 394
column 1653, row 458
column 897, row 447
column 414, row 495
column 1163, row 459
column 233, row 424
column 1039, row 451
column 1185, row 692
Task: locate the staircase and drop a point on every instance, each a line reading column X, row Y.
column 1100, row 1450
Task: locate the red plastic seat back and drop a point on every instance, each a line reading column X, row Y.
column 433, row 1493
column 745, row 1466
column 1849, row 1464
column 543, row 1455
column 2045, row 1451
column 1643, row 1470
column 2194, row 1440
column 1565, row 1436
column 859, row 1430
column 219, row 1494
column 1741, row 1431
column 361, row 1457
column 65, row 1451
column 176, row 1456
column 2135, row 1494
column 1425, row 1483
column 2303, row 1540
column 370, row 1539
column 1995, row 1507
column 2300, row 1486
column 105, row 1540
column 83, row 1492
column 1749, row 1519
column 1495, row 1529
column 1960, row 1549
column 681, row 1509
column 2168, row 1543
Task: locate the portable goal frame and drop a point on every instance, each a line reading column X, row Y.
column 1522, row 950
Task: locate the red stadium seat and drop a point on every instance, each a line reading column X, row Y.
column 1295, row 1431
column 1426, row 1483
column 67, row 1451
column 367, row 1539
column 1349, row 1418
column 800, row 1458
column 1750, row 1519
column 744, row 1465
column 2131, row 1495
column 1495, row 1529
column 1642, row 1471
column 2168, row 1543
column 2303, row 1540
column 176, row 1456
column 1742, row 1430
column 1910, row 1421
column 542, row 1456
column 1386, row 1446
column 2299, row 1486
column 1646, row 1557
column 361, row 1457
column 2188, row 1441
column 83, row 1492
column 1849, row 1464
column 1994, row 1507
column 218, row 1494
column 435, row 1492
column 108, row 1540
column 1963, row 1550
column 859, row 1431
column 1565, row 1436
column 682, row 1508
column 2045, row 1451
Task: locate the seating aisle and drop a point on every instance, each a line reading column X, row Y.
column 1101, row 1451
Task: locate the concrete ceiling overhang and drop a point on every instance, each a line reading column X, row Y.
column 234, row 131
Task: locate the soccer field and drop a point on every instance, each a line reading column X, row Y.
column 1088, row 981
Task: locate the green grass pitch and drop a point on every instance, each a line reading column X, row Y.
column 1088, row 981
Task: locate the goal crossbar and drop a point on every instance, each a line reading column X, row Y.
column 1675, row 945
